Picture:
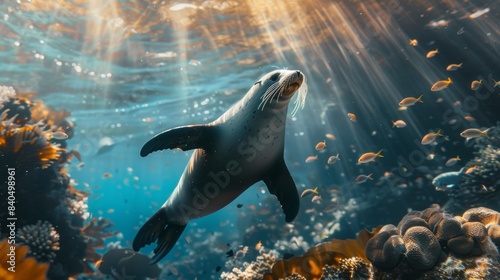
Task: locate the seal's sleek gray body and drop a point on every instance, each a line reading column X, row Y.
column 243, row 146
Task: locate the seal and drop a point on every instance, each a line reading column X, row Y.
column 242, row 147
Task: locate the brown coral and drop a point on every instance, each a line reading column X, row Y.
column 422, row 248
column 476, row 230
column 386, row 249
column 482, row 214
column 448, row 228
column 461, row 245
column 494, row 233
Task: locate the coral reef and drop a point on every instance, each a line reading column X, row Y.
column 428, row 244
column 354, row 268
column 423, row 238
column 482, row 183
column 25, row 267
column 33, row 143
column 254, row 270
column 295, row 276
column 41, row 238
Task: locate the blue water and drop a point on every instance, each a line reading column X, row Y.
column 128, row 70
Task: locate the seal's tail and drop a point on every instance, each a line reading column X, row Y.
column 157, row 228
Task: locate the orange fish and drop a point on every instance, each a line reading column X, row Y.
column 475, row 85
column 311, row 158
column 474, row 132
column 352, row 117
column 452, row 161
column 431, row 54
column 470, row 118
column 330, row 136
column 258, row 245
column 410, row 101
column 430, row 137
column 320, row 146
column 440, row 85
column 453, row 67
column 333, row 159
column 309, row 192
column 470, row 169
column 370, row 156
column 399, row 124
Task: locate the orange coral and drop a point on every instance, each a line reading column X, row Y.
column 310, row 264
column 50, row 116
column 29, row 145
column 25, row 268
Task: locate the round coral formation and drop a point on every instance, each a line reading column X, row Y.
column 472, row 234
column 448, row 228
column 483, row 215
column 411, row 221
column 476, row 230
column 41, row 238
column 494, row 233
column 386, row 249
column 422, row 248
column 461, row 245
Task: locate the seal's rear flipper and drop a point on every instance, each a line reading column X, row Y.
column 166, row 241
column 280, row 183
column 158, row 228
column 183, row 137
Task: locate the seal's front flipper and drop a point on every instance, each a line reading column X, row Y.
column 183, row 137
column 158, row 228
column 280, row 183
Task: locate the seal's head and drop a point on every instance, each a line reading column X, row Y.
column 280, row 86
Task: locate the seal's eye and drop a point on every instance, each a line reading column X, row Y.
column 274, row 77
column 258, row 82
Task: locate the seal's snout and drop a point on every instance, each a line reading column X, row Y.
column 298, row 79
column 293, row 82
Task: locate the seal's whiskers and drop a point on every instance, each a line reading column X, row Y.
column 301, row 97
column 275, row 89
